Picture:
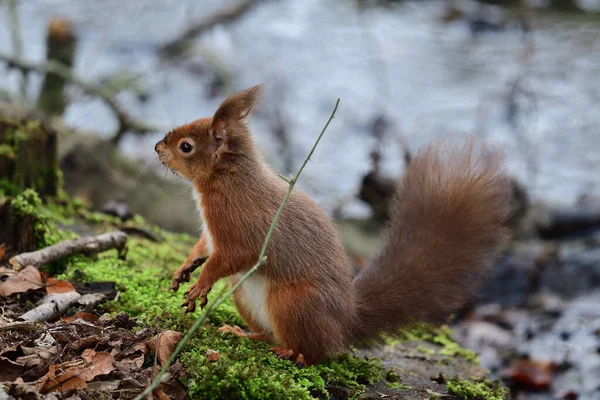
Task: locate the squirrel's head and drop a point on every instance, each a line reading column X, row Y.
column 201, row 148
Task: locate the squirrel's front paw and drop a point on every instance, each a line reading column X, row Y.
column 183, row 273
column 196, row 291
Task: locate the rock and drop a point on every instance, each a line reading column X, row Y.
column 119, row 208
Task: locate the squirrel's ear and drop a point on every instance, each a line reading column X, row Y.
column 234, row 109
column 238, row 106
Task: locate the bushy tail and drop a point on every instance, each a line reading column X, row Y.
column 446, row 225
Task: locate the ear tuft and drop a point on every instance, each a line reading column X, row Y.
column 238, row 106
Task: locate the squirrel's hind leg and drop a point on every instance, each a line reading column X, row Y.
column 288, row 354
column 255, row 330
column 307, row 325
column 237, row 331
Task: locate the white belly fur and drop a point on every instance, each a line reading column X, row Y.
column 253, row 294
column 204, row 228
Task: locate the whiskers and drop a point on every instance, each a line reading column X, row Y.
column 169, row 184
column 144, row 168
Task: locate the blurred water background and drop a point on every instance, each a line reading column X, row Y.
column 399, row 61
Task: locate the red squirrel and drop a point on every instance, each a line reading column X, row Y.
column 445, row 228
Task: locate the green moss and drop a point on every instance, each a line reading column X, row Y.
column 451, row 348
column 249, row 371
column 482, row 390
column 45, row 219
column 64, row 210
column 26, row 203
column 245, row 369
column 397, row 385
column 7, row 151
column 7, row 188
column 425, row 350
column 440, row 336
column 393, row 380
column 28, row 156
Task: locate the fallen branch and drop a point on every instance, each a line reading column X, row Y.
column 261, row 259
column 228, row 15
column 19, row 326
column 85, row 245
column 126, row 122
column 52, row 307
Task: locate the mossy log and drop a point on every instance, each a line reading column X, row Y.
column 28, row 159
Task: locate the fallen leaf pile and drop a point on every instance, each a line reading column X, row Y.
column 27, row 279
column 77, row 356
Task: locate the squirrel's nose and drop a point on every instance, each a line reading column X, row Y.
column 157, row 145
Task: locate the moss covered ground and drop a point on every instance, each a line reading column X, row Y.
column 244, row 369
column 477, row 389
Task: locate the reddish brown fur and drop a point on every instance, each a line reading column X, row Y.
column 445, row 226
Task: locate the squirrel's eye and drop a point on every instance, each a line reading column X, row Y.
column 185, row 147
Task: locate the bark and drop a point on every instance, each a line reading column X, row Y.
column 28, row 156
column 60, row 46
column 85, row 245
column 17, row 233
column 51, row 308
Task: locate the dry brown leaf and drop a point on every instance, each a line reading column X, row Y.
column 6, row 272
column 60, row 380
column 36, row 356
column 115, row 346
column 131, row 360
column 74, row 375
column 9, row 370
column 212, row 355
column 166, row 346
column 99, row 363
column 2, row 250
column 536, row 375
column 158, row 394
column 27, row 279
column 86, row 316
column 54, row 285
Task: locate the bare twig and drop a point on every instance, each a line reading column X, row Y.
column 85, row 245
column 20, row 326
column 52, row 307
column 261, row 260
column 225, row 16
column 126, row 122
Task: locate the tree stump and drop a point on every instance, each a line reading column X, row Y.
column 28, row 159
column 17, row 233
column 60, row 46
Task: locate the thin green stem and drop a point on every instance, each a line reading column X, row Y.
column 261, row 260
